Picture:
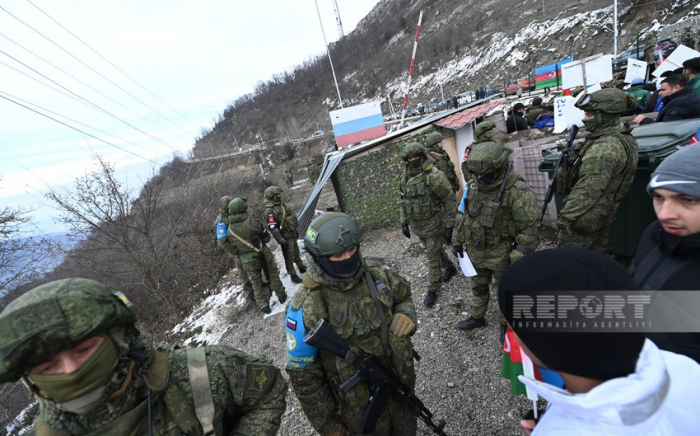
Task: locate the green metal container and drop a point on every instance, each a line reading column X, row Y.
column 656, row 141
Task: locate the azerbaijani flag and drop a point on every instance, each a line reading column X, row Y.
column 512, row 367
column 695, row 138
column 550, row 75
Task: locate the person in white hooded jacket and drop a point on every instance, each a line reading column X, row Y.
column 615, row 382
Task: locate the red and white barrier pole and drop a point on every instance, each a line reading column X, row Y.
column 410, row 70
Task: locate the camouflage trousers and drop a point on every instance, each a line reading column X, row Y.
column 243, row 275
column 254, row 268
column 596, row 241
column 394, row 420
column 481, row 292
column 438, row 261
column 292, row 256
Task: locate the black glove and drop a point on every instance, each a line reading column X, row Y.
column 406, row 232
column 458, row 251
column 284, row 246
column 448, row 236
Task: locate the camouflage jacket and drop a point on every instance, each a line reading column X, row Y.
column 349, row 308
column 223, row 243
column 491, row 230
column 248, row 396
column 427, row 201
column 281, row 221
column 444, row 164
column 599, row 174
column 532, row 113
column 246, row 236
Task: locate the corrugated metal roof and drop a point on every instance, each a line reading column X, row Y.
column 466, row 116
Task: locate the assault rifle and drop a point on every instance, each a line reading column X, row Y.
column 563, row 162
column 384, row 382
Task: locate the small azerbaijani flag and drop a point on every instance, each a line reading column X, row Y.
column 359, row 123
column 695, row 138
column 512, row 366
column 550, row 75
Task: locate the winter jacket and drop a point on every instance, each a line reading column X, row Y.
column 680, row 105
column 544, row 120
column 669, row 262
column 659, row 398
column 518, row 124
column 641, row 94
column 695, row 84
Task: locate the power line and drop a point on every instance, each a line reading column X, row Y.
column 86, row 101
column 118, row 69
column 83, row 63
column 69, row 119
column 87, row 85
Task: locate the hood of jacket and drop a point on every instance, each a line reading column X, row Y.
column 625, row 405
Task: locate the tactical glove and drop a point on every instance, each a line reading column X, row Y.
column 516, row 255
column 406, row 232
column 458, row 251
column 562, row 225
column 337, row 430
column 448, row 236
column 401, row 325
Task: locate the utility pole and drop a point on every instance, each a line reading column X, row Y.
column 543, row 7
column 615, row 30
column 340, row 99
column 337, row 19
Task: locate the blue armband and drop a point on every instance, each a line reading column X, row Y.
column 299, row 353
column 221, row 230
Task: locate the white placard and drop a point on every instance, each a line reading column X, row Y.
column 676, row 59
column 598, row 69
column 635, row 69
column 466, row 264
column 566, row 114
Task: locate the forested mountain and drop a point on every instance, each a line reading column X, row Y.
column 463, row 45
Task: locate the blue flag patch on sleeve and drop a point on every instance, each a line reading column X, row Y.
column 299, row 353
column 221, row 230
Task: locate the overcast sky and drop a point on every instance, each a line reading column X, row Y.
column 195, row 58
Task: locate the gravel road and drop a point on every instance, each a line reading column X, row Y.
column 458, row 375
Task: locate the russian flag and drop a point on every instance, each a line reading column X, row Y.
column 358, row 123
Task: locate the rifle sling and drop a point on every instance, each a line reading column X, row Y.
column 246, row 243
column 385, row 329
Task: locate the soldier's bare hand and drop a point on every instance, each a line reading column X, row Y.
column 561, row 225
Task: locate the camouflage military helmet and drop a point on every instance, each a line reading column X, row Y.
column 271, row 191
column 332, row 233
column 412, row 149
column 237, row 205
column 609, row 100
column 223, row 203
column 433, row 139
column 486, row 157
column 54, row 317
column 484, row 127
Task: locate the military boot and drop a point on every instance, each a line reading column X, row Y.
column 430, row 299
column 447, row 275
column 266, row 310
column 471, row 323
column 302, row 268
column 295, row 278
column 283, row 298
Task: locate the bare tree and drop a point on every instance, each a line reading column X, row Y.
column 23, row 254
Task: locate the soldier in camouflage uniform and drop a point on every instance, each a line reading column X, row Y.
column 314, row 168
column 342, row 289
column 534, row 111
column 221, row 226
column 441, row 159
column 248, row 238
column 598, row 173
column 74, row 344
column 282, row 223
column 499, row 225
column 427, row 204
column 688, row 38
